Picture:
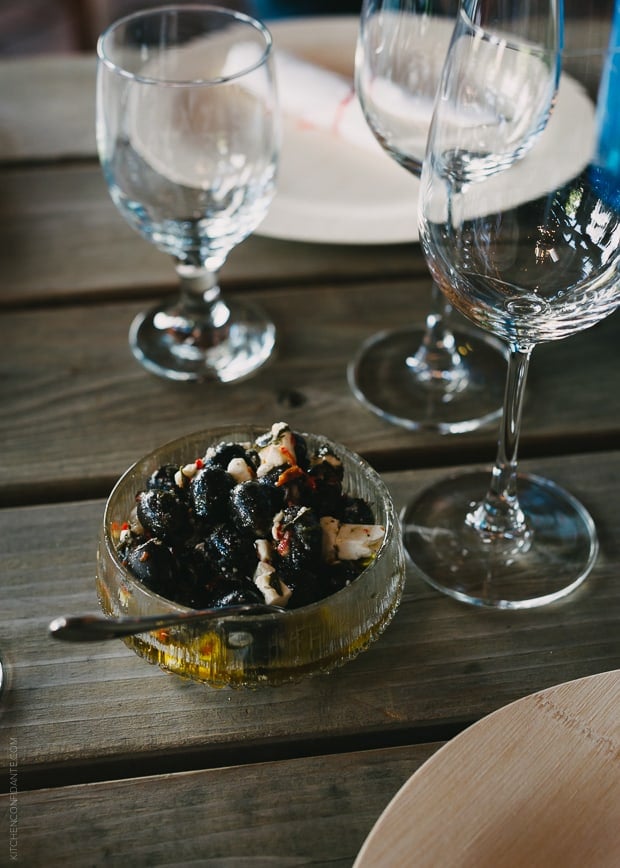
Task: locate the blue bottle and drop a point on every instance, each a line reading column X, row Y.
column 606, row 164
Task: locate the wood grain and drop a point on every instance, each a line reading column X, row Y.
column 294, row 775
column 83, row 710
column 74, row 397
column 314, row 811
column 34, row 126
column 63, row 238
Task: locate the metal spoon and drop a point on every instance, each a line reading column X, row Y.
column 95, row 628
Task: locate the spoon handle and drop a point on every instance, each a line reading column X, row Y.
column 95, row 628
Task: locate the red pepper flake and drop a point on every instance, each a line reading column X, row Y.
column 287, row 454
column 284, row 545
column 125, row 525
column 144, row 557
column 289, row 474
column 163, row 636
column 199, row 463
column 206, row 650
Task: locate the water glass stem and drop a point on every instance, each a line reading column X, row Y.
column 201, row 295
column 198, row 283
column 499, row 515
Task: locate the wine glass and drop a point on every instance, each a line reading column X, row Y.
column 520, row 224
column 432, row 376
column 188, row 138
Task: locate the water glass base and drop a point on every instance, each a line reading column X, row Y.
column 178, row 346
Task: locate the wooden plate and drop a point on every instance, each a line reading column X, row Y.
column 536, row 783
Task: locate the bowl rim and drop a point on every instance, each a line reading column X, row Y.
column 391, row 523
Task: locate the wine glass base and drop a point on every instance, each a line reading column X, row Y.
column 174, row 345
column 504, row 574
column 382, row 378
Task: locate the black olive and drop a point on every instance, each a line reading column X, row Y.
column 231, row 592
column 272, row 476
column 231, row 552
column 291, row 482
column 301, row 544
column 301, row 450
column 327, row 487
column 210, row 489
column 356, row 511
column 163, row 479
column 153, row 564
column 337, row 575
column 223, row 454
column 254, row 505
column 124, row 548
column 163, row 514
column 306, row 586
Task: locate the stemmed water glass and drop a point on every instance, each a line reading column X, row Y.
column 437, row 376
column 520, row 224
column 188, row 138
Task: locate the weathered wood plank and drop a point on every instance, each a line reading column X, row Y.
column 48, row 107
column 439, row 664
column 78, row 409
column 315, row 811
column 62, row 237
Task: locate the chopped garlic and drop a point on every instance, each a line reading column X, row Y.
column 135, row 525
column 278, row 451
column 188, row 471
column 349, row 542
column 263, row 550
column 264, row 575
column 240, row 470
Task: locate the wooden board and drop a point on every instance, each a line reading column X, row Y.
column 78, row 711
column 60, row 127
column 307, row 811
column 63, row 237
column 74, row 397
column 537, row 783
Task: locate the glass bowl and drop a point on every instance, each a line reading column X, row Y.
column 270, row 649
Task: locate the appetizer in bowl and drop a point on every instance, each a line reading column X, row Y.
column 252, row 515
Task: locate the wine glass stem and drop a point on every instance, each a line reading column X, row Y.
column 499, row 514
column 437, row 361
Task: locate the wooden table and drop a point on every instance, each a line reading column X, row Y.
column 114, row 762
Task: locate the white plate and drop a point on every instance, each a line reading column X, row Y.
column 328, row 190
column 332, row 191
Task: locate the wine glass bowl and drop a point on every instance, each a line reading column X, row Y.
column 188, row 139
column 430, row 376
column 520, row 225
